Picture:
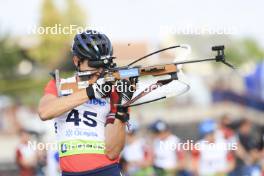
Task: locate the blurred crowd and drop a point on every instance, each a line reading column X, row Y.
column 20, row 124
column 237, row 150
column 151, row 150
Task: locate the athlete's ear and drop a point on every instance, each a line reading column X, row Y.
column 75, row 60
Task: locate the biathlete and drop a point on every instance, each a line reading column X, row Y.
column 89, row 124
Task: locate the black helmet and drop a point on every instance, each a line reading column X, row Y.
column 93, row 46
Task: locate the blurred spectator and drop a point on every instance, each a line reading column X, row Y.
column 8, row 120
column 225, row 127
column 166, row 160
column 213, row 156
column 53, row 167
column 30, row 115
column 248, row 153
column 26, row 157
column 41, row 162
column 137, row 154
column 249, row 138
column 13, row 116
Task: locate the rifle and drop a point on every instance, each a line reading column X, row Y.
column 113, row 73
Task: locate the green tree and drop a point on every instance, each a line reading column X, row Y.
column 244, row 50
column 10, row 56
column 74, row 14
column 53, row 48
column 51, row 51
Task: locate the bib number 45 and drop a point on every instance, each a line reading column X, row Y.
column 74, row 116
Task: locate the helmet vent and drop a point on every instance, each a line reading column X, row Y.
column 83, row 36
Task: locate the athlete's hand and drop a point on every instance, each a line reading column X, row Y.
column 125, row 92
column 99, row 89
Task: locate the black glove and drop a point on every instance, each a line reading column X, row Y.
column 99, row 89
column 125, row 92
